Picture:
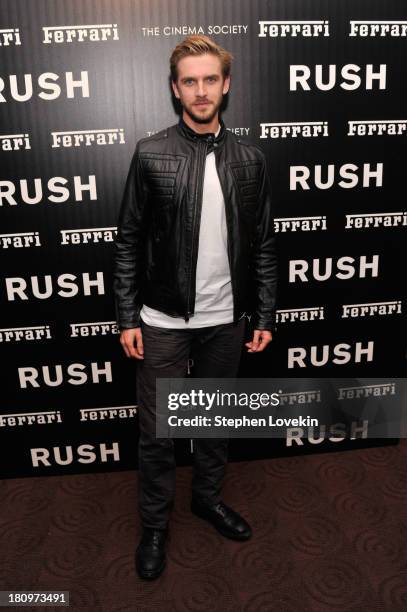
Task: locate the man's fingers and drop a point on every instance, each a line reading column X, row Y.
column 264, row 341
column 124, row 345
column 132, row 351
column 256, row 340
column 139, row 341
column 252, row 346
column 126, row 350
column 261, row 338
column 128, row 339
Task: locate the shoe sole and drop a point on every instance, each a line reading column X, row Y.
column 226, row 534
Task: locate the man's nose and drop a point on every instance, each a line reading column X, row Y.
column 201, row 91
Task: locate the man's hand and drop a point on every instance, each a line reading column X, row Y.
column 132, row 342
column 261, row 338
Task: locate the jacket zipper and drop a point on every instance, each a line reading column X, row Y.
column 197, row 208
column 228, row 239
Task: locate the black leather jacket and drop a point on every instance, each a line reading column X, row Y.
column 156, row 247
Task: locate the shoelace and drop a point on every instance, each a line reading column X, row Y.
column 153, row 539
column 221, row 509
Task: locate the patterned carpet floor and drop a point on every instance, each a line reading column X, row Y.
column 330, row 534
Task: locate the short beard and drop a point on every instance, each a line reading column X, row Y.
column 202, row 120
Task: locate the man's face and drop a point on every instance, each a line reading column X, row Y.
column 200, row 86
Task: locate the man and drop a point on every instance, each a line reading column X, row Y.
column 194, row 258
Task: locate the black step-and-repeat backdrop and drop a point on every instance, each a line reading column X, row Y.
column 319, row 85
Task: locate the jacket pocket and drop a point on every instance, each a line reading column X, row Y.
column 161, row 172
column 246, row 177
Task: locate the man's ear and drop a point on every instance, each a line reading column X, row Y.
column 226, row 85
column 175, row 89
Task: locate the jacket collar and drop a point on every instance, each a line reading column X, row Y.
column 190, row 134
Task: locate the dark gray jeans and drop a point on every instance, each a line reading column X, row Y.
column 216, row 353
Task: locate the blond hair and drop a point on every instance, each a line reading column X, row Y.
column 198, row 45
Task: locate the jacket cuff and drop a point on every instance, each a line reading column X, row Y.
column 128, row 318
column 264, row 322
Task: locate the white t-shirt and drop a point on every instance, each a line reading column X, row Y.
column 214, row 297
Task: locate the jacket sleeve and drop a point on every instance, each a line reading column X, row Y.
column 130, row 248
column 264, row 258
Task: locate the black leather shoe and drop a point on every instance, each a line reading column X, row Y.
column 224, row 519
column 150, row 553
